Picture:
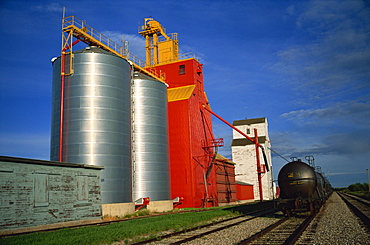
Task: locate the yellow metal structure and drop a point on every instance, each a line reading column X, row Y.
column 73, row 27
column 160, row 47
column 180, row 93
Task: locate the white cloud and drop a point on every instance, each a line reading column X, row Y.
column 355, row 112
column 51, row 7
column 348, row 141
column 290, row 10
column 337, row 55
column 325, row 13
column 136, row 43
column 25, row 145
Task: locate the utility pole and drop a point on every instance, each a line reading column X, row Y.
column 368, row 182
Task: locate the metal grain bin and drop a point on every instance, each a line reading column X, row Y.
column 97, row 118
column 150, row 139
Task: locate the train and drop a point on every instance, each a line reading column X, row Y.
column 303, row 188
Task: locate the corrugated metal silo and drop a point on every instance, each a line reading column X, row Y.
column 97, row 118
column 150, row 139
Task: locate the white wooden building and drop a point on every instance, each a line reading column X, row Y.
column 244, row 155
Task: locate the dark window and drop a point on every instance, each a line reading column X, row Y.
column 200, row 89
column 248, row 131
column 182, row 69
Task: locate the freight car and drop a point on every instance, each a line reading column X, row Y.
column 302, row 188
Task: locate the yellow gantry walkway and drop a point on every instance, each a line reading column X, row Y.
column 73, row 27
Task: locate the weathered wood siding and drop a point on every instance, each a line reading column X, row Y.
column 37, row 193
column 225, row 179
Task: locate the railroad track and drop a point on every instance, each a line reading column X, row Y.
column 192, row 234
column 285, row 231
column 359, row 206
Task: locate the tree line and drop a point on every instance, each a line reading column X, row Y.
column 359, row 187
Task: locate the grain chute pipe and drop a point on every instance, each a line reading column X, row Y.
column 254, row 141
column 265, row 159
column 62, row 85
column 224, row 121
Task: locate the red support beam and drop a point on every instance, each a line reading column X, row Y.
column 259, row 171
column 62, row 74
column 237, row 130
column 255, row 141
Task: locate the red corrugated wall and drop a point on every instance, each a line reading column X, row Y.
column 190, row 132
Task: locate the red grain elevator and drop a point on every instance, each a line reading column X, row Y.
column 191, row 139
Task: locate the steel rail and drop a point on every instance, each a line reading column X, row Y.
column 356, row 210
column 190, row 238
column 295, row 235
column 357, row 198
column 263, row 232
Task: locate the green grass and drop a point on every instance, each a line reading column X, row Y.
column 127, row 229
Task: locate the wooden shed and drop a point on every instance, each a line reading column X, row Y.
column 244, row 191
column 37, row 192
column 225, row 180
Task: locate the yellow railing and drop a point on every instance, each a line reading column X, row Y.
column 72, row 26
column 190, row 55
column 71, row 22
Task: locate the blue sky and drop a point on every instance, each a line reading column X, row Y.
column 305, row 65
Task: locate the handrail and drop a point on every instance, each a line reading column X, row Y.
column 70, row 21
column 188, row 55
column 172, row 36
column 90, row 36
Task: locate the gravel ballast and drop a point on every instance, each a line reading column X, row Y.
column 336, row 224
